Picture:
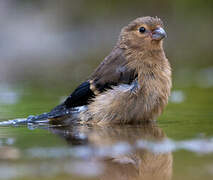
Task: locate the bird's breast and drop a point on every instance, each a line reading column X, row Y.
column 153, row 92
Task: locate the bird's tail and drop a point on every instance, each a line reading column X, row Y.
column 26, row 121
column 56, row 114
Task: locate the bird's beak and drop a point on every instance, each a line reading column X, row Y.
column 158, row 34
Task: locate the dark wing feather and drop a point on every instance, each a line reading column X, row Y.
column 80, row 96
column 111, row 72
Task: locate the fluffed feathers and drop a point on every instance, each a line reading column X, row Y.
column 131, row 85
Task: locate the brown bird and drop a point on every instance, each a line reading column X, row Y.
column 131, row 85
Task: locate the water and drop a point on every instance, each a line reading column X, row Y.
column 178, row 146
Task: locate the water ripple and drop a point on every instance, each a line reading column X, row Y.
column 199, row 146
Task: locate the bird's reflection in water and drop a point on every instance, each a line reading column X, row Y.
column 123, row 160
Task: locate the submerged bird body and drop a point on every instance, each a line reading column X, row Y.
column 131, row 85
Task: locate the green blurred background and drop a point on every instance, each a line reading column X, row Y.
column 51, row 42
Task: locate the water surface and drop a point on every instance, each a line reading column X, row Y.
column 178, row 146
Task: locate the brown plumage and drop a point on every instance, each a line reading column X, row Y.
column 131, row 85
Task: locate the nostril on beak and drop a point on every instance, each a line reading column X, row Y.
column 159, row 34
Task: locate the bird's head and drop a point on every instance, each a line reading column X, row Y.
column 142, row 33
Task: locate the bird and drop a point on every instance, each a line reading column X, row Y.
column 131, row 85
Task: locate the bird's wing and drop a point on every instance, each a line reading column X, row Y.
column 111, row 72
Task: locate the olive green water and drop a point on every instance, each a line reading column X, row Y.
column 178, row 146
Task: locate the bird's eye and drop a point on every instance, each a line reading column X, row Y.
column 142, row 30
